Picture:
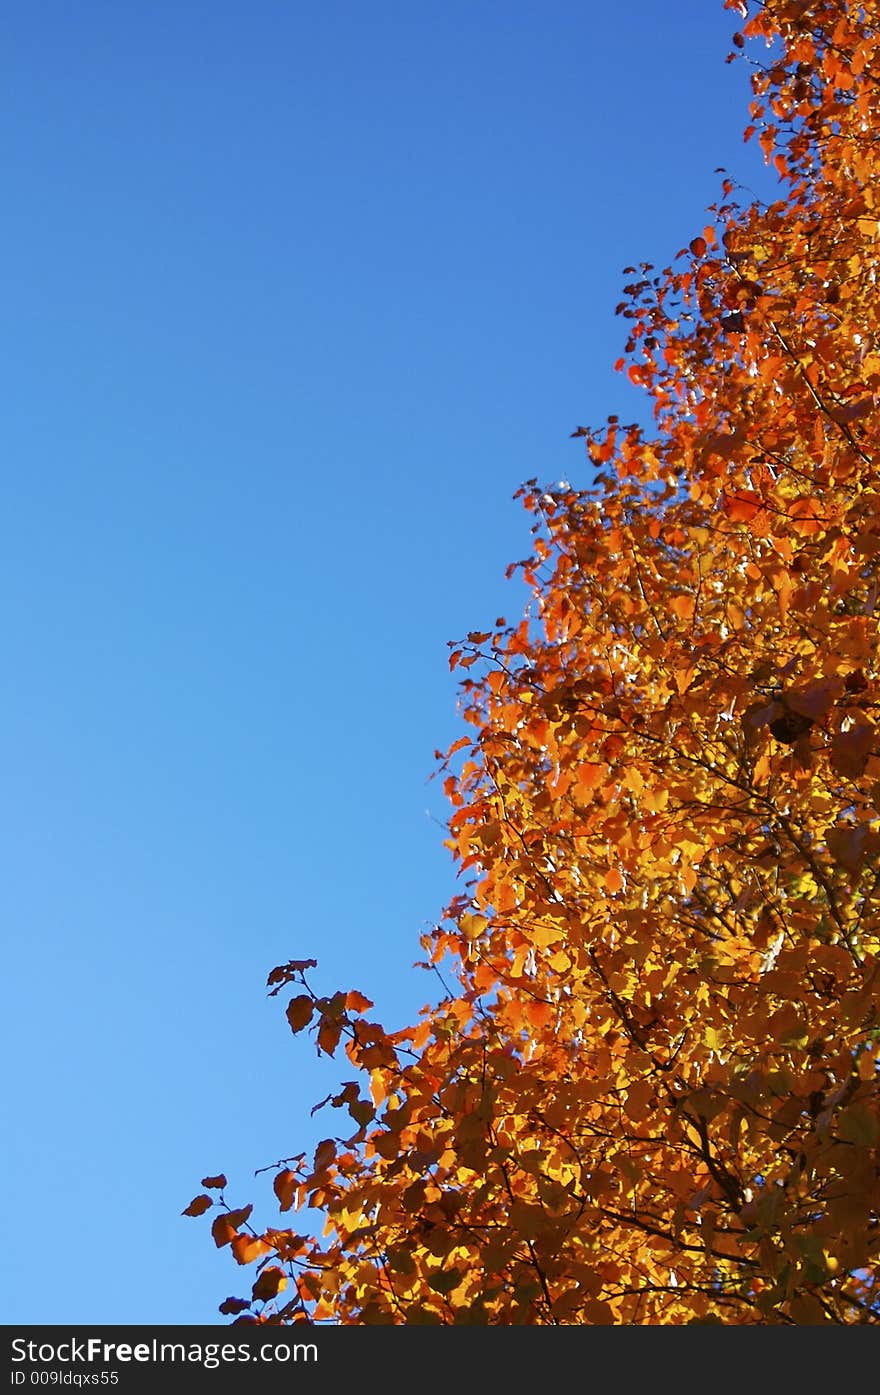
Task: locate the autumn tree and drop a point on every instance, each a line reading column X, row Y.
column 651, row 1093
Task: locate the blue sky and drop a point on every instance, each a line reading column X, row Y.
column 296, row 296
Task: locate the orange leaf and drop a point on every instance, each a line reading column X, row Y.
column 742, row 506
column 247, row 1248
column 225, row 1227
column 324, row 1155
column 638, row 1098
column 300, row 1012
column 198, row 1206
column 356, row 1002
column 682, row 606
column 589, row 776
column 329, row 1033
column 642, row 1090
column 421, row 1035
column 285, row 1185
column 538, row 1014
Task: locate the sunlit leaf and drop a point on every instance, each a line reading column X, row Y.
column 643, row 1086
column 246, row 1248
column 285, row 1185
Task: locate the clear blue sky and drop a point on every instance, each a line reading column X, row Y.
column 296, row 295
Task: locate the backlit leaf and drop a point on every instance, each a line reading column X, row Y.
column 285, row 1185
column 643, row 1087
column 246, row 1248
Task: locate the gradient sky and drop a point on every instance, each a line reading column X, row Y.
column 296, row 296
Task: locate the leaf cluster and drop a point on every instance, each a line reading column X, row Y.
column 651, row 1093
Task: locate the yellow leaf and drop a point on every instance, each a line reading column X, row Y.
column 472, row 926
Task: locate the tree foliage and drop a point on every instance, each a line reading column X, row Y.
column 651, row 1095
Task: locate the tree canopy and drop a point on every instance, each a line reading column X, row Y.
column 651, row 1093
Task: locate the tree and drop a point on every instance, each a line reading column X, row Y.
column 653, row 1093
